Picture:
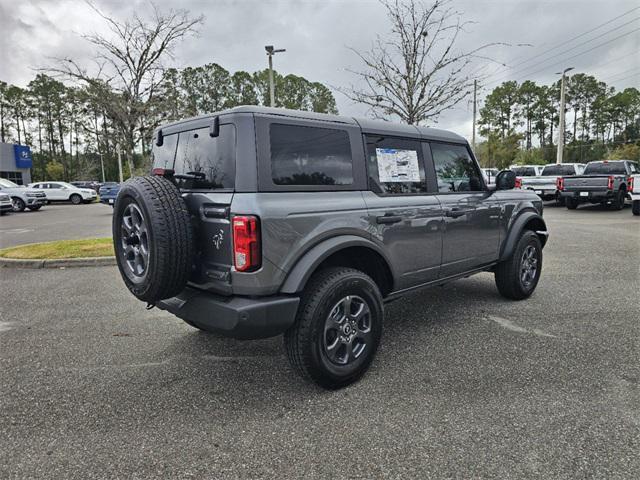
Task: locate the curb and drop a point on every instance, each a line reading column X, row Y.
column 58, row 263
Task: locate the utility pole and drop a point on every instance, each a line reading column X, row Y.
column 561, row 124
column 473, row 135
column 102, row 166
column 120, row 165
column 270, row 53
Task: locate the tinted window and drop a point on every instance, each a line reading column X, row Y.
column 395, row 165
column 559, row 170
column 455, row 169
column 633, row 167
column 609, row 168
column 162, row 156
column 208, row 162
column 310, row 156
column 524, row 171
column 54, row 185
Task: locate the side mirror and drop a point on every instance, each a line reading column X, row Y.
column 506, row 180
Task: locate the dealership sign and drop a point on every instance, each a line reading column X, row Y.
column 23, row 156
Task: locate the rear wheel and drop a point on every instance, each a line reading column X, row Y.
column 635, row 207
column 75, row 199
column 618, row 202
column 571, row 203
column 560, row 200
column 338, row 328
column 18, row 204
column 517, row 276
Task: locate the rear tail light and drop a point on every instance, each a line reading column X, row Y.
column 630, row 183
column 162, row 172
column 560, row 184
column 246, row 243
column 518, row 182
column 610, row 183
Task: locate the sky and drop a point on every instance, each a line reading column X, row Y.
column 317, row 36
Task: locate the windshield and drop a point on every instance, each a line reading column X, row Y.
column 524, row 171
column 8, row 183
column 558, row 170
column 602, row 168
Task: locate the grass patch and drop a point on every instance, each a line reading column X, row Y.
column 91, row 247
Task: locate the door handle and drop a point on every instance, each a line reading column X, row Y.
column 388, row 219
column 454, row 212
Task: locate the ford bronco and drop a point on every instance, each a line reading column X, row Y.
column 258, row 221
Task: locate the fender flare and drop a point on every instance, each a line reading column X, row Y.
column 304, row 267
column 527, row 217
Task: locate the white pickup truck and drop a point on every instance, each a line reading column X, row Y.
column 544, row 185
column 634, row 193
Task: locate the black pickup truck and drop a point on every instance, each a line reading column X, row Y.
column 603, row 182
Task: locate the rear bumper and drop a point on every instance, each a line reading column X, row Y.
column 236, row 317
column 592, row 196
column 6, row 207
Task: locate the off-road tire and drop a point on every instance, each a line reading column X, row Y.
column 304, row 340
column 75, row 199
column 170, row 237
column 571, row 203
column 635, row 207
column 18, row 204
column 508, row 273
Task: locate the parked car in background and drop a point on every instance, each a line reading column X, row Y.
column 92, row 184
column 634, row 193
column 22, row 197
column 65, row 192
column 6, row 205
column 545, row 184
column 603, row 182
column 490, row 174
column 526, row 170
column 108, row 193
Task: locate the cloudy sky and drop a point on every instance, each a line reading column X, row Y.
column 317, row 34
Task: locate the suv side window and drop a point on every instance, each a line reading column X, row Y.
column 310, row 155
column 395, row 165
column 455, row 169
column 162, row 156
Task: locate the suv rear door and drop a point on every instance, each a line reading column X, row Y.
column 403, row 214
column 204, row 171
column 471, row 236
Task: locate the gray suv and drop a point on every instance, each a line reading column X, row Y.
column 260, row 221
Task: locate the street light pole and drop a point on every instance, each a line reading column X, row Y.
column 270, row 53
column 473, row 135
column 561, row 127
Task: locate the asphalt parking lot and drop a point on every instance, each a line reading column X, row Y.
column 466, row 384
column 58, row 221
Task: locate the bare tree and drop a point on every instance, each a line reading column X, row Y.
column 129, row 66
column 416, row 73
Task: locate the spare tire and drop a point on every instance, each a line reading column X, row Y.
column 153, row 238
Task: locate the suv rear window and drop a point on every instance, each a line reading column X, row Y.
column 609, row 168
column 559, row 170
column 211, row 161
column 310, row 156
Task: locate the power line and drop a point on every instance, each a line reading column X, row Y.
column 612, row 77
column 566, row 42
column 569, row 50
column 635, row 75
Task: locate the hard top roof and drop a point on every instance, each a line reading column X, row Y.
column 367, row 125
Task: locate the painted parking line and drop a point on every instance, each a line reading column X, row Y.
column 5, row 326
column 509, row 325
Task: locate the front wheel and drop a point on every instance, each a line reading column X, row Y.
column 337, row 329
column 635, row 207
column 517, row 276
column 18, row 204
column 35, row 208
column 75, row 199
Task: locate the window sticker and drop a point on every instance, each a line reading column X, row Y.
column 395, row 165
